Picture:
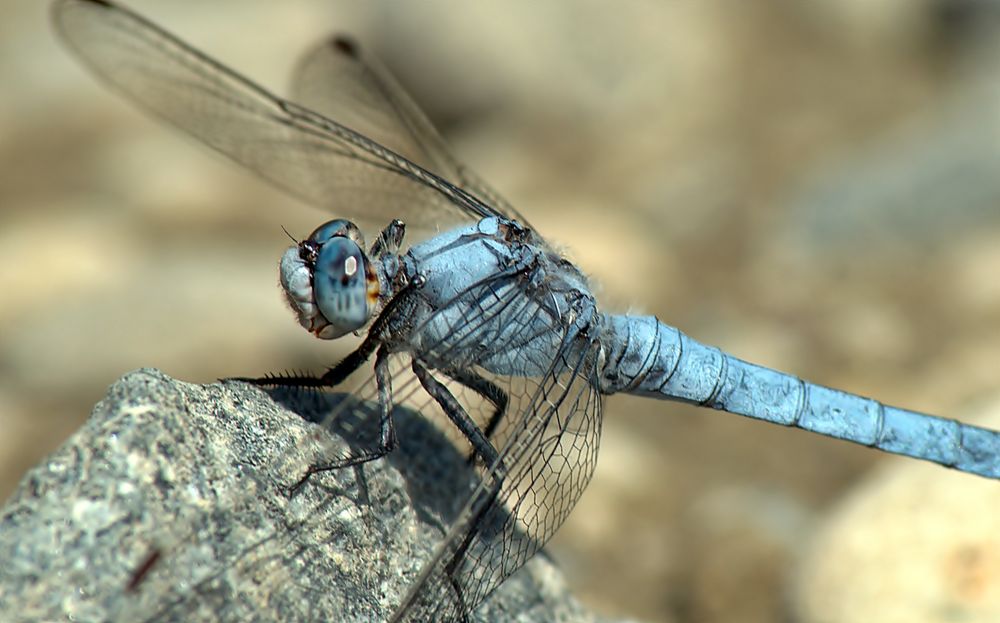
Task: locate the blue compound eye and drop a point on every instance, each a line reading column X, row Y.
column 340, row 284
column 337, row 227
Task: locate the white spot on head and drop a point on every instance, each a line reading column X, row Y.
column 350, row 266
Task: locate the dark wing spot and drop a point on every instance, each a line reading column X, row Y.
column 346, row 46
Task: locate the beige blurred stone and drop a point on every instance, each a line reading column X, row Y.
column 913, row 542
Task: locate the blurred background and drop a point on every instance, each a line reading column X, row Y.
column 814, row 186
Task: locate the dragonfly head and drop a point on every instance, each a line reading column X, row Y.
column 329, row 281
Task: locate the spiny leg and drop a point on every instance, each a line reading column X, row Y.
column 387, row 431
column 340, row 372
column 331, row 378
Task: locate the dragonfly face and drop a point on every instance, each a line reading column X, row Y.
column 329, row 281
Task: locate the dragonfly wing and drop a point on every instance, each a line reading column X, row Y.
column 548, row 440
column 337, row 79
column 312, row 157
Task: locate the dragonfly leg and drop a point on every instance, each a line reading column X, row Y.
column 331, row 378
column 481, row 446
column 335, row 375
column 387, row 431
column 488, row 390
column 339, row 373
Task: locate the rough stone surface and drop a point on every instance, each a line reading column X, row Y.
column 196, row 475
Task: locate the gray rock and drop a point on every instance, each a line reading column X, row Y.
column 188, row 483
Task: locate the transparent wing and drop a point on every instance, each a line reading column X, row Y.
column 548, row 441
column 310, row 156
column 336, row 79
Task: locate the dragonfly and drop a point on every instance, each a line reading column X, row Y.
column 485, row 323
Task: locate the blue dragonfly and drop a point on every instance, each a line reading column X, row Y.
column 498, row 333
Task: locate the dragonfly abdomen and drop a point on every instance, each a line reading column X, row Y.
column 648, row 358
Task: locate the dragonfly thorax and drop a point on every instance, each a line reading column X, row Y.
column 329, row 281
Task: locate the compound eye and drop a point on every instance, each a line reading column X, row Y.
column 340, row 284
column 337, row 228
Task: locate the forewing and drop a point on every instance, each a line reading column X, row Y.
column 310, row 156
column 338, row 79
